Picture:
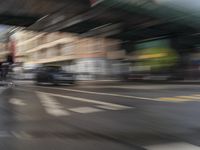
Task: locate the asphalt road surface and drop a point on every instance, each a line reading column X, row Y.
column 100, row 117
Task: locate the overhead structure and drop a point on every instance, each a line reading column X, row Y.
column 124, row 19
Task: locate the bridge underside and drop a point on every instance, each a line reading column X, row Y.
column 110, row 18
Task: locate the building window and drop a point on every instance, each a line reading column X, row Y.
column 67, row 49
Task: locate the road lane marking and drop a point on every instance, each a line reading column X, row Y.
column 173, row 146
column 135, row 87
column 109, row 107
column 183, row 98
column 51, row 106
column 17, row 101
column 175, row 99
column 98, row 93
column 160, row 99
column 85, row 110
column 87, row 100
column 189, row 97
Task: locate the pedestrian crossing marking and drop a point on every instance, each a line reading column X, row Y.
column 107, row 107
column 51, row 106
column 86, row 100
column 173, row 146
column 17, row 101
column 57, row 112
column 84, row 110
column 54, row 108
column 113, row 107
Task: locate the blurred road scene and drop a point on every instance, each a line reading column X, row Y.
column 107, row 115
column 99, row 74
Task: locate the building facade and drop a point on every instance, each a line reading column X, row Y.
column 89, row 55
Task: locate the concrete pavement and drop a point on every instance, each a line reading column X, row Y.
column 151, row 117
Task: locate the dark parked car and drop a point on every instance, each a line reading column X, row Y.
column 54, row 75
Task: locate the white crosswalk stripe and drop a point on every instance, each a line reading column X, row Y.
column 88, row 100
column 111, row 107
column 85, row 110
column 17, row 101
column 51, row 106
